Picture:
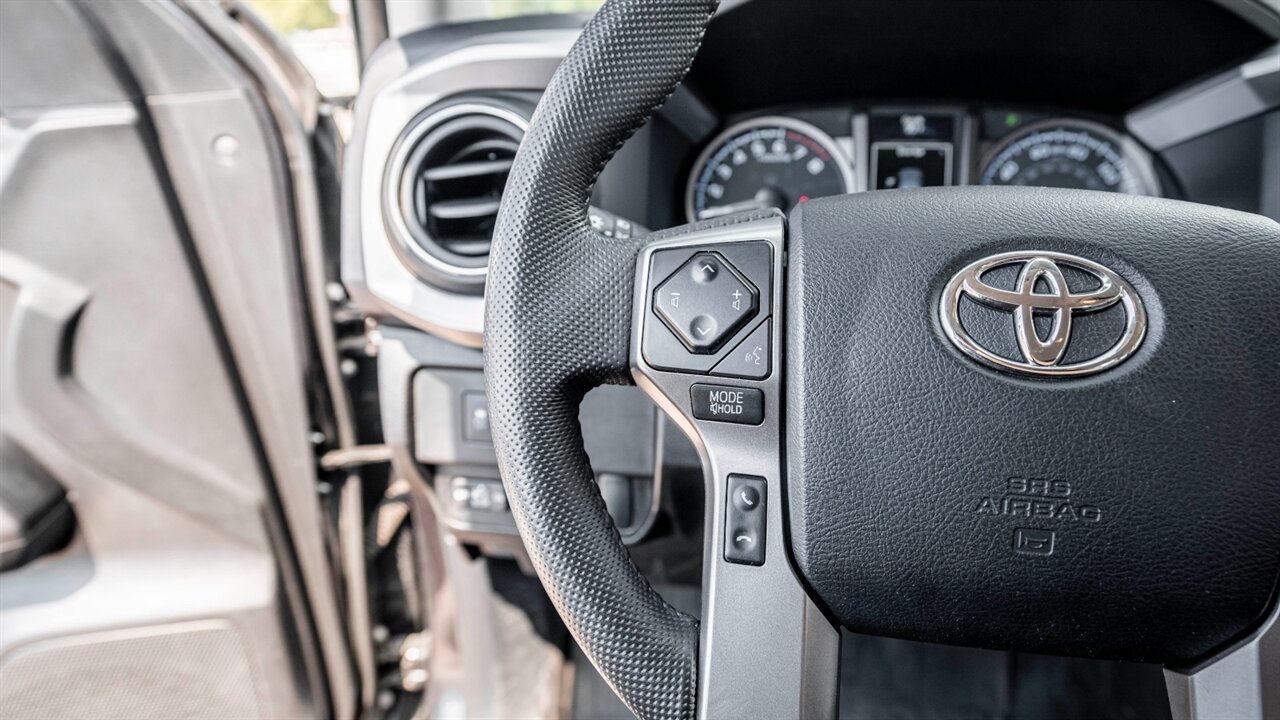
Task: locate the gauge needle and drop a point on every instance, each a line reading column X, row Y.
column 764, row 198
column 731, row 208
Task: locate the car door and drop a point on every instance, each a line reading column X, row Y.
column 164, row 384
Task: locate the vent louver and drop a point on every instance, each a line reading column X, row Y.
column 451, row 172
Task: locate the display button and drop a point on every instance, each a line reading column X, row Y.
column 745, row 520
column 724, row 403
column 705, row 302
column 750, row 359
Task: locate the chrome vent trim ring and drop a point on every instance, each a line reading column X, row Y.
column 399, row 187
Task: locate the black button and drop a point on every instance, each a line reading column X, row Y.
column 661, row 346
column 746, row 498
column 750, row 359
column 744, row 520
column 702, row 327
column 725, row 403
column 706, row 269
column 705, row 302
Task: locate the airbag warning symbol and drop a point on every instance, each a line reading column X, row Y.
column 1033, row 541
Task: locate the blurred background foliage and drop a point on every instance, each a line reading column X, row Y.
column 286, row 16
column 322, row 35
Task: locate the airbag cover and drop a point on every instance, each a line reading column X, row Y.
column 1132, row 514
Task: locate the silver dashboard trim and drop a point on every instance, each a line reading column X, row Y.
column 398, row 230
column 379, row 280
column 1249, row 89
column 861, row 152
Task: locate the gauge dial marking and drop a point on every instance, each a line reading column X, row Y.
column 765, row 162
column 1066, row 153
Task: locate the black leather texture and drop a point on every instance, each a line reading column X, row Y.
column 900, row 447
column 558, row 322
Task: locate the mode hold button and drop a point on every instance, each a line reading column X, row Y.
column 725, row 403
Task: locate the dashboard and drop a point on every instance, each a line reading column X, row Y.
column 787, row 102
column 781, row 160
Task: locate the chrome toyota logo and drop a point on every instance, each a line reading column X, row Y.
column 1043, row 271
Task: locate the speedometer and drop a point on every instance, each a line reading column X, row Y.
column 765, row 162
column 1068, row 154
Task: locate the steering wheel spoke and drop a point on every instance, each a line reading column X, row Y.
column 1240, row 683
column 765, row 650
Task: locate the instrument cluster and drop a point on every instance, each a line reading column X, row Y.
column 781, row 160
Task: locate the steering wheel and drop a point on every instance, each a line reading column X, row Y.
column 1023, row 419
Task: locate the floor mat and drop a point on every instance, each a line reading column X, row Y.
column 884, row 679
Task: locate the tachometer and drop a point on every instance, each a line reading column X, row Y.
column 765, row 162
column 1068, row 154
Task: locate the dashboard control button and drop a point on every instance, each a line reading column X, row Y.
column 750, row 359
column 725, row 403
column 744, row 521
column 705, row 302
column 475, row 417
column 479, row 494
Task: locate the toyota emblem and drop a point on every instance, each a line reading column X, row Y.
column 1041, row 290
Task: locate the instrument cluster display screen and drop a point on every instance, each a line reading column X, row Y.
column 910, row 164
column 912, row 149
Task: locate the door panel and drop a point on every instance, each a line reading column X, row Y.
column 153, row 364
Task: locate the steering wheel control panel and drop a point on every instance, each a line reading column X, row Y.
column 709, row 310
column 725, row 392
column 705, row 302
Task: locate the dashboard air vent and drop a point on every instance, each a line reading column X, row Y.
column 450, row 173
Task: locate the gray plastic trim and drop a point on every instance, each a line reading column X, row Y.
column 1262, row 14
column 766, row 650
column 1243, row 684
column 1224, row 99
column 620, row 435
column 377, row 279
column 173, row 528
